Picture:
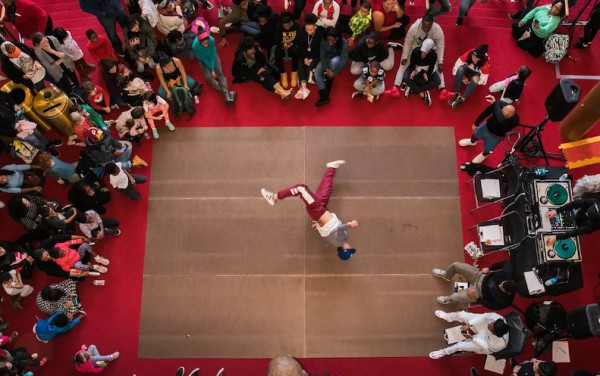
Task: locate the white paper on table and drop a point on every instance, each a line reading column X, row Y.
column 534, row 285
column 560, row 352
column 493, row 365
column 454, row 335
column 491, row 235
column 490, row 188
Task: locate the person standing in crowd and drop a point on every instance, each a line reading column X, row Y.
column 71, row 48
column 421, row 73
column 27, row 16
column 590, row 29
column 512, row 86
column 485, row 333
column 471, row 69
column 422, row 29
column 334, row 57
column 205, row 51
column 19, row 65
column 108, row 13
column 493, row 287
column 309, row 52
column 501, row 119
column 57, row 63
column 250, row 64
column 587, row 218
column 99, row 47
column 389, row 19
column 326, row 223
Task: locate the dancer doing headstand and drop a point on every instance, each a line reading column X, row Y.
column 327, row 223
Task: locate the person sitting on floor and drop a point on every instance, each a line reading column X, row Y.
column 587, row 218
column 123, row 181
column 170, row 17
column 250, row 64
column 102, row 148
column 334, row 57
column 512, row 86
column 309, row 39
column 501, row 119
column 421, row 73
column 132, row 125
column 156, row 109
column 370, row 49
column 98, row 97
column 485, row 333
column 48, row 328
column 95, row 228
column 493, row 287
column 70, row 260
column 44, row 262
column 287, row 45
column 21, row 178
column 13, row 286
column 360, row 22
column 327, row 12
column 60, row 297
column 536, row 26
column 180, row 44
column 370, row 84
column 471, row 69
column 422, row 29
column 89, row 360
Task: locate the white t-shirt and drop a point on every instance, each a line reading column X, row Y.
column 333, row 223
column 120, row 181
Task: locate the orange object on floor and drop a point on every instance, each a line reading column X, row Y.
column 582, row 153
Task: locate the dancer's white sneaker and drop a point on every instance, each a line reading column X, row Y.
column 335, row 164
column 269, row 196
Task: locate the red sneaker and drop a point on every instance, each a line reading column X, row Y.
column 393, row 92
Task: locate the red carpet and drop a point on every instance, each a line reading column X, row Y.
column 113, row 310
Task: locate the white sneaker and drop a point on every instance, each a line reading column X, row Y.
column 441, row 314
column 214, row 29
column 335, row 164
column 114, row 355
column 2, row 204
column 441, row 273
column 466, row 142
column 268, row 196
column 93, row 274
column 101, row 260
column 442, row 299
column 437, row 354
column 220, row 373
column 479, row 158
column 100, row 268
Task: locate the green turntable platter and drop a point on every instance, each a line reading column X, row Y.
column 565, row 248
column 557, row 194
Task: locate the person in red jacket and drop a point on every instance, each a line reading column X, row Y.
column 27, row 16
column 99, row 47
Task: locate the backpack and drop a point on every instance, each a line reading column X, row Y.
column 549, row 315
column 182, row 100
column 23, row 150
column 556, row 48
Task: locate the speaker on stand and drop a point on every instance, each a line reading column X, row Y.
column 562, row 99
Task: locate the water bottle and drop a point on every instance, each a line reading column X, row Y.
column 99, row 282
column 550, row 282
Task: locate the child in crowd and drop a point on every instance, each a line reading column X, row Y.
column 512, row 86
column 58, row 323
column 360, row 22
column 71, row 48
column 156, row 108
column 89, row 360
column 132, row 87
column 13, row 286
column 140, row 49
column 95, row 227
column 123, row 181
column 80, row 124
column 99, row 47
column 370, row 83
column 70, row 260
column 59, row 221
column 62, row 171
column 98, row 97
column 132, row 125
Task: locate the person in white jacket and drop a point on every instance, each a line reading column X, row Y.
column 422, row 29
column 170, row 18
column 149, row 11
column 485, row 333
column 327, row 12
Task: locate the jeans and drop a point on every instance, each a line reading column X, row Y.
column 126, row 155
column 376, row 90
column 110, row 26
column 316, row 203
column 434, row 80
column 142, row 66
column 250, row 28
column 96, row 357
column 163, row 93
column 130, row 190
column 108, row 223
column 336, row 66
column 220, row 83
column 461, row 72
column 304, row 70
column 465, row 5
column 445, row 7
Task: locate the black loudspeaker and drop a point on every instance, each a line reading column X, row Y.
column 584, row 322
column 562, row 99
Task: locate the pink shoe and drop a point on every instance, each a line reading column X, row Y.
column 393, row 92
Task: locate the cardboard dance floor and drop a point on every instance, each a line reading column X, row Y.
column 228, row 276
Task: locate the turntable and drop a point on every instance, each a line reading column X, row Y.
column 552, row 192
column 563, row 250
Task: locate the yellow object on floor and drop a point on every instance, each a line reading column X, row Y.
column 581, row 153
